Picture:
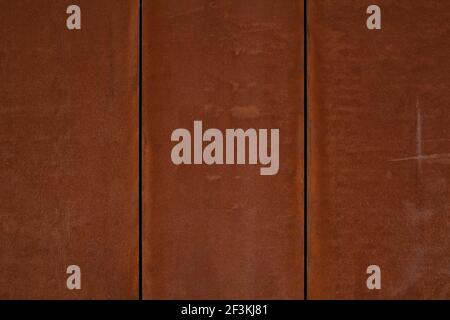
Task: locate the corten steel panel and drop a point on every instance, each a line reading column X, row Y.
column 379, row 149
column 68, row 158
column 222, row 231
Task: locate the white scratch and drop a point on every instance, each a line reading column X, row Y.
column 425, row 157
column 419, row 157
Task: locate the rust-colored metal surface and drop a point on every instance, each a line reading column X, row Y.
column 222, row 231
column 379, row 150
column 68, row 149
